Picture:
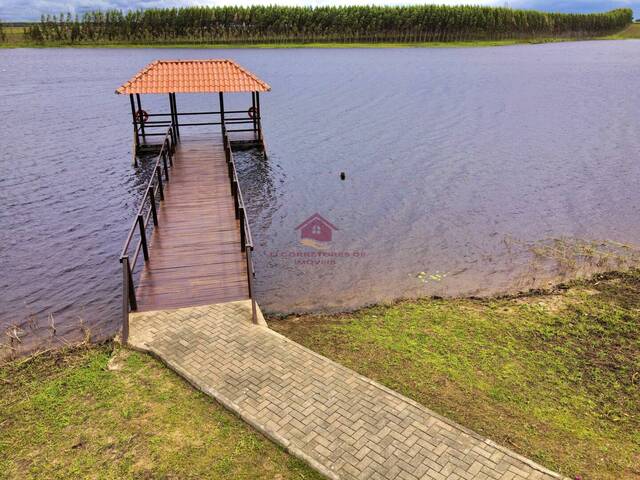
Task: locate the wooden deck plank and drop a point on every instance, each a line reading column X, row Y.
column 195, row 255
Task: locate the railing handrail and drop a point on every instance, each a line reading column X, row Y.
column 241, row 212
column 168, row 114
column 237, row 191
column 154, row 187
column 165, row 123
column 167, row 148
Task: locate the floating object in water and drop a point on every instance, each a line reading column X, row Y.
column 433, row 277
column 343, row 175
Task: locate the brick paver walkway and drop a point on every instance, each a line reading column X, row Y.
column 343, row 424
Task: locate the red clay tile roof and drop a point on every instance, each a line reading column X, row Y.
column 193, row 76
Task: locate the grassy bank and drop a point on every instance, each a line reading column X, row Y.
column 16, row 39
column 632, row 32
column 88, row 414
column 471, row 44
column 554, row 376
column 226, row 46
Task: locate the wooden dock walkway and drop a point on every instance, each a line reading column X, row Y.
column 191, row 227
column 199, row 249
column 195, row 252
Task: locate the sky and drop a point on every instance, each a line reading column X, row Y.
column 25, row 10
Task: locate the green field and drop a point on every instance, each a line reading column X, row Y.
column 554, row 376
column 99, row 413
column 632, row 32
column 15, row 36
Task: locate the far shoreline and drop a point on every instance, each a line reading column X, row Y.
column 14, row 36
column 315, row 45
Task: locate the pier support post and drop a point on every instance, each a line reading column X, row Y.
column 136, row 137
column 222, row 125
column 128, row 297
column 259, row 116
column 144, row 138
column 174, row 107
column 255, row 115
column 254, row 316
column 152, row 201
column 173, row 118
column 143, row 238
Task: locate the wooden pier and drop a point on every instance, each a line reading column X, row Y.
column 196, row 257
column 191, row 228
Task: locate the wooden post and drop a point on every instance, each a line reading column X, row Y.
column 160, row 185
column 255, row 114
column 136, row 138
column 236, row 203
column 243, row 234
column 134, row 160
column 175, row 113
column 152, row 199
column 259, row 115
column 221, row 97
column 166, row 169
column 141, row 119
column 176, row 130
column 254, row 316
column 143, row 238
column 173, row 116
column 126, row 298
column 133, row 302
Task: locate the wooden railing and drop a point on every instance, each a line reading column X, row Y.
column 153, row 193
column 162, row 120
column 140, row 131
column 246, row 241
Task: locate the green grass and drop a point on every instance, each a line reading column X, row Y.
column 18, row 42
column 14, row 35
column 632, row 32
column 67, row 415
column 554, row 376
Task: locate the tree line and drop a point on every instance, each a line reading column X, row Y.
column 3, row 35
column 272, row 24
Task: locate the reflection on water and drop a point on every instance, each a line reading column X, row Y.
column 464, row 169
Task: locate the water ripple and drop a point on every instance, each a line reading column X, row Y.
column 454, row 159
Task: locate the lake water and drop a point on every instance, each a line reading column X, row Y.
column 468, row 172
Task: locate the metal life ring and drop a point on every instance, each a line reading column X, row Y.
column 142, row 116
column 252, row 112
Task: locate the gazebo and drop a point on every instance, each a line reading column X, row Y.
column 193, row 207
column 170, row 77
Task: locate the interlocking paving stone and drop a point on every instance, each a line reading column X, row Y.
column 344, row 425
